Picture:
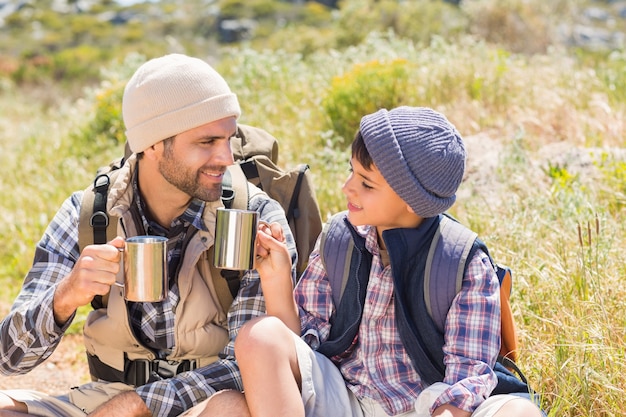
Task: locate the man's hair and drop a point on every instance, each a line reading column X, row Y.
column 360, row 152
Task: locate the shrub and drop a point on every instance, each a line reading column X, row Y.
column 363, row 90
column 105, row 128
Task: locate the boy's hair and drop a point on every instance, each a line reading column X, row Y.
column 360, row 152
column 418, row 152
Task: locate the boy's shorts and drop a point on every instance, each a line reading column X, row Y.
column 79, row 402
column 324, row 392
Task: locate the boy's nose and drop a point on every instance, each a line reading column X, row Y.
column 347, row 186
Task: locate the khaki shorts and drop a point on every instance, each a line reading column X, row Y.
column 79, row 402
column 324, row 392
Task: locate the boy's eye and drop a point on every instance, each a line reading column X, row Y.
column 366, row 186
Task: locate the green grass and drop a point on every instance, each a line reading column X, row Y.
column 557, row 223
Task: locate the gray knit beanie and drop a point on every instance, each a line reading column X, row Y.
column 172, row 94
column 419, row 153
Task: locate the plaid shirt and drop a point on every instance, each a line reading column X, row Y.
column 29, row 334
column 379, row 367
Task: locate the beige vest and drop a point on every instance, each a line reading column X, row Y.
column 201, row 328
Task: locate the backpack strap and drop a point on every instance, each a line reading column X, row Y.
column 222, row 282
column 442, row 290
column 94, row 225
column 446, row 258
column 236, row 194
column 508, row 348
column 336, row 247
column 293, row 212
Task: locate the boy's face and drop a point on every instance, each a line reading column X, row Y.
column 371, row 201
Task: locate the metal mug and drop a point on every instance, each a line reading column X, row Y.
column 145, row 269
column 235, row 235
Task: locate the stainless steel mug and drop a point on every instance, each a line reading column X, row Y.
column 145, row 269
column 235, row 234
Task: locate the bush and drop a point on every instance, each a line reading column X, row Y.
column 105, row 126
column 363, row 90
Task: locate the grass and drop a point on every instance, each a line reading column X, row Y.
column 552, row 207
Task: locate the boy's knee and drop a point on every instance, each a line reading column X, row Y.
column 519, row 407
column 223, row 404
column 261, row 334
column 9, row 404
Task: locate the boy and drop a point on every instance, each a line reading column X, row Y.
column 363, row 356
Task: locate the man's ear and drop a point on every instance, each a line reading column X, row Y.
column 154, row 152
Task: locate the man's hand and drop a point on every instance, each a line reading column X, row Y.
column 93, row 274
column 126, row 404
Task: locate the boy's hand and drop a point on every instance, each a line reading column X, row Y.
column 273, row 263
column 272, row 256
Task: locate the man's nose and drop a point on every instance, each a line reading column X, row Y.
column 224, row 154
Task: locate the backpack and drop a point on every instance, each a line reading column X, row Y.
column 256, row 156
column 445, row 267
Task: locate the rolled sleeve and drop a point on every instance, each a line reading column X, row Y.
column 472, row 338
column 29, row 333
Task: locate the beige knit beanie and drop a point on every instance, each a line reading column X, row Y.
column 172, row 94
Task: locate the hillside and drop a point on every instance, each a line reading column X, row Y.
column 537, row 89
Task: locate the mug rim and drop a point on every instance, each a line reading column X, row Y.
column 146, row 239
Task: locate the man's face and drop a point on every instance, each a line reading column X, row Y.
column 195, row 161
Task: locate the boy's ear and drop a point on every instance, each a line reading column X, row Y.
column 409, row 209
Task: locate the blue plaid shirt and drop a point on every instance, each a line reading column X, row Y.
column 379, row 366
column 29, row 334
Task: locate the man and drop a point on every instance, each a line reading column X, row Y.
column 151, row 358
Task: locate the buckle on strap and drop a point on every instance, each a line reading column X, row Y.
column 142, row 371
column 99, row 219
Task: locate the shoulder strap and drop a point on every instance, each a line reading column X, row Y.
column 446, row 259
column 236, row 194
column 449, row 260
column 94, row 226
column 508, row 349
column 335, row 240
column 235, row 188
column 222, row 282
column 445, row 266
column 293, row 211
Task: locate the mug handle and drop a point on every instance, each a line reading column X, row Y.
column 120, row 284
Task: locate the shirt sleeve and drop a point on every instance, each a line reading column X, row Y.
column 29, row 333
column 173, row 396
column 313, row 295
column 472, row 338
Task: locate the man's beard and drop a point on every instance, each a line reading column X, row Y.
column 185, row 180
